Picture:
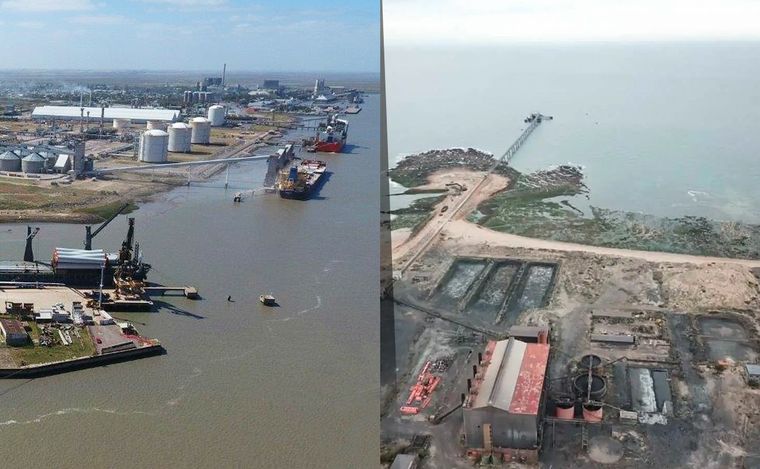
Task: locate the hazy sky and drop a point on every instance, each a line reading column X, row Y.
column 287, row 35
column 507, row 21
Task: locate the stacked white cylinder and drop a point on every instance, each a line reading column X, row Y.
column 180, row 135
column 201, row 132
column 78, row 259
column 153, row 146
column 216, row 115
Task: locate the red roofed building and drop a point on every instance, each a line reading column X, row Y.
column 501, row 412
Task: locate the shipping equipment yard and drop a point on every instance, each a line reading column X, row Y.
column 53, row 324
column 513, row 350
column 76, row 154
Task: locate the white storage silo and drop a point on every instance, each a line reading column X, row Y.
column 180, row 137
column 9, row 161
column 153, row 146
column 156, row 125
column 201, row 130
column 216, row 115
column 33, row 163
column 120, row 124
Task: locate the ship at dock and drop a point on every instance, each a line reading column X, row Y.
column 302, row 180
column 331, row 136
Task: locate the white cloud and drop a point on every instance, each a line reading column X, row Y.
column 498, row 21
column 99, row 19
column 31, row 24
column 46, row 5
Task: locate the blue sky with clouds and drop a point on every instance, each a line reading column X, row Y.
column 284, row 35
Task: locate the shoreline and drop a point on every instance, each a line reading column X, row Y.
column 516, row 194
column 48, row 369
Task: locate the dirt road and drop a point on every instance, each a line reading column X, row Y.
column 471, row 233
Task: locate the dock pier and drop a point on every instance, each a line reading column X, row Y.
column 535, row 120
column 186, row 291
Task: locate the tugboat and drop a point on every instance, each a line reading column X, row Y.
column 267, row 300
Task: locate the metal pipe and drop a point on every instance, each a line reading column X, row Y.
column 185, row 163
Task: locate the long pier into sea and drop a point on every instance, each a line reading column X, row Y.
column 534, row 120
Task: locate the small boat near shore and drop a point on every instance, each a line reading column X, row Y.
column 267, row 300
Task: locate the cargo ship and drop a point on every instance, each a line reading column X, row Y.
column 331, row 136
column 300, row 182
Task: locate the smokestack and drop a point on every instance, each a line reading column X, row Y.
column 224, row 75
column 480, row 358
column 474, row 370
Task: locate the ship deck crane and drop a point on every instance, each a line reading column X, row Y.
column 89, row 234
column 28, row 253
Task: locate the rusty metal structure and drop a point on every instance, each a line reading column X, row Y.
column 505, row 401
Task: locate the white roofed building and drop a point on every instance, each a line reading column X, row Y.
column 137, row 116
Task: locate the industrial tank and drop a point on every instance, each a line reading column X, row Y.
column 201, row 130
column 50, row 158
column 153, row 146
column 179, row 137
column 156, row 125
column 216, row 115
column 9, row 161
column 33, row 163
column 120, row 124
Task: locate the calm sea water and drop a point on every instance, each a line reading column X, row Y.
column 663, row 129
column 242, row 385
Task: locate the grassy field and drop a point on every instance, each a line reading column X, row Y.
column 35, row 354
column 24, row 195
column 107, row 210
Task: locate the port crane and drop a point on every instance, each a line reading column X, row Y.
column 30, row 234
column 89, row 234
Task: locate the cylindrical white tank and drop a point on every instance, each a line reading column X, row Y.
column 156, row 125
column 33, row 163
column 216, row 115
column 180, row 137
column 201, row 130
column 120, row 124
column 153, row 146
column 9, row 161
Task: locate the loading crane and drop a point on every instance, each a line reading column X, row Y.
column 89, row 234
column 30, row 234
